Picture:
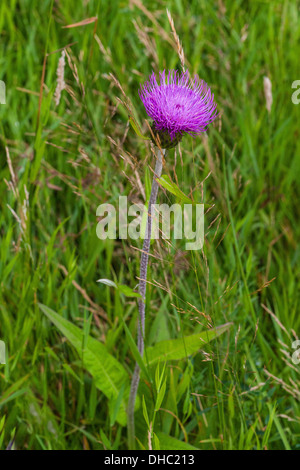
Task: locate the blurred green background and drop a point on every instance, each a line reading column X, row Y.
column 59, row 162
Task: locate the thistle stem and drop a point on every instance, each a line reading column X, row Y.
column 142, row 304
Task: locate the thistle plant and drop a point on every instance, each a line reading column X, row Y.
column 177, row 105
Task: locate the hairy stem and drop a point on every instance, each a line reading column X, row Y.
column 142, row 291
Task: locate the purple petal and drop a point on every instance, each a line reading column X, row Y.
column 177, row 104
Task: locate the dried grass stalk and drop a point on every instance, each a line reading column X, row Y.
column 60, row 73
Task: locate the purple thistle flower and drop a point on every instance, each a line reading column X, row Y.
column 178, row 105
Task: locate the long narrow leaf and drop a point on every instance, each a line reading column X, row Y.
column 108, row 373
column 176, row 349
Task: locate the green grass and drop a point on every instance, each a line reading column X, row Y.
column 222, row 396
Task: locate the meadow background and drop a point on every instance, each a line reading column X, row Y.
column 60, row 161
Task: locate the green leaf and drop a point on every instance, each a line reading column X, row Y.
column 161, row 395
column 159, row 376
column 156, row 442
column 105, row 440
column 115, row 406
column 108, row 373
column 70, row 370
column 170, row 443
column 145, row 412
column 135, row 351
column 126, row 290
column 148, row 185
column 107, row 282
column 14, row 391
column 168, row 184
column 136, row 128
column 176, row 349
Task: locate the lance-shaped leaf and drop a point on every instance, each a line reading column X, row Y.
column 170, row 186
column 170, row 443
column 136, row 128
column 126, row 290
column 176, row 349
column 108, row 373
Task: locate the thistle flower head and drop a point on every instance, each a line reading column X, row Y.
column 178, row 105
